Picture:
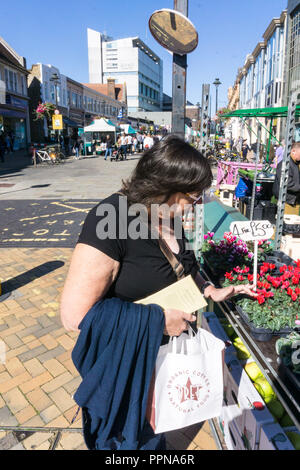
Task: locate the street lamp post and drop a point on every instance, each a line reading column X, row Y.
column 56, row 80
column 217, row 83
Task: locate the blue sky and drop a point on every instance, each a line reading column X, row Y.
column 55, row 33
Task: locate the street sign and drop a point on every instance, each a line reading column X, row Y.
column 57, row 122
column 174, row 31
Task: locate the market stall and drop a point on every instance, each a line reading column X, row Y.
column 95, row 134
column 261, row 406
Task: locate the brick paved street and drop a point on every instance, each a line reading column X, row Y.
column 37, row 376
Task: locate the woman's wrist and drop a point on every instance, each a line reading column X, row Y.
column 208, row 291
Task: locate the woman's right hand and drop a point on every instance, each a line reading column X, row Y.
column 176, row 321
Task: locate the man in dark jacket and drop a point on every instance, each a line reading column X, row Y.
column 293, row 190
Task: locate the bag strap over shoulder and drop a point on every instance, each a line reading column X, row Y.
column 176, row 265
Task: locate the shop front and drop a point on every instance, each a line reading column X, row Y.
column 14, row 121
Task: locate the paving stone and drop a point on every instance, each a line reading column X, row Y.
column 37, row 439
column 50, row 354
column 28, row 331
column 18, row 447
column 7, row 418
column 25, row 414
column 14, row 382
column 35, row 352
column 50, row 413
column 44, row 331
column 13, row 341
column 14, row 366
column 15, row 400
column 36, row 382
column 54, row 367
column 34, row 367
column 71, row 440
column 71, row 386
column 62, row 399
column 39, row 399
column 59, row 381
column 8, row 441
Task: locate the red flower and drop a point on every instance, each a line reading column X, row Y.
column 250, row 277
column 297, row 290
column 272, row 267
column 283, row 268
column 295, row 280
column 240, row 278
column 285, row 285
column 260, row 299
column 228, row 275
column 294, row 296
column 276, row 283
column 267, row 286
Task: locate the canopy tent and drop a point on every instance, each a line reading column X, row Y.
column 270, row 113
column 101, row 125
column 127, row 129
column 260, row 112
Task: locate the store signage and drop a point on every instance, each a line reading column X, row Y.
column 57, row 121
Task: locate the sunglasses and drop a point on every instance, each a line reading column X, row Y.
column 195, row 199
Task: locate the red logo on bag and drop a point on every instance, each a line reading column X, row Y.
column 188, row 390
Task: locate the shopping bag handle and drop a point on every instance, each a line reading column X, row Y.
column 173, row 339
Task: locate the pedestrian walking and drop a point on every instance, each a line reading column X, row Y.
column 109, row 146
column 148, row 142
column 2, row 148
column 129, row 144
column 7, row 143
column 119, row 339
column 245, row 149
column 76, row 148
column 123, row 145
column 140, row 139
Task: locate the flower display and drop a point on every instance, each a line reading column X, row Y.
column 277, row 305
column 44, row 110
column 231, row 251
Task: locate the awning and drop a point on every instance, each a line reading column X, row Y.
column 11, row 113
column 128, row 129
column 70, row 123
column 260, row 112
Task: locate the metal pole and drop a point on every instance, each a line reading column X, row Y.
column 290, row 131
column 204, row 118
column 255, row 173
column 179, row 82
column 269, row 142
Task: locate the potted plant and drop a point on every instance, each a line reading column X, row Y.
column 276, row 308
column 220, row 256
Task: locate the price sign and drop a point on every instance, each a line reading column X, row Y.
column 254, row 230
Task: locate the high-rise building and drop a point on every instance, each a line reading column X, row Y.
column 293, row 57
column 129, row 61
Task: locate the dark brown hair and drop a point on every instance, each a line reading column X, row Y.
column 169, row 167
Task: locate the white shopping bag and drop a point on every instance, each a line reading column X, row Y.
column 187, row 387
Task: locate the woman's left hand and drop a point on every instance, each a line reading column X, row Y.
column 219, row 295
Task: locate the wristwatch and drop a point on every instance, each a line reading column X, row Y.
column 205, row 285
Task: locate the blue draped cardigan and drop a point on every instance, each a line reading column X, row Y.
column 115, row 354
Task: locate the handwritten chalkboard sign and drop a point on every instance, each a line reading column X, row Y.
column 253, row 230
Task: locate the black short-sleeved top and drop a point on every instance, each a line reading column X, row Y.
column 144, row 269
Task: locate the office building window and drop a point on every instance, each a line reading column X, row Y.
column 294, row 63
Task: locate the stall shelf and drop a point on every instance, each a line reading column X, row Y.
column 263, row 353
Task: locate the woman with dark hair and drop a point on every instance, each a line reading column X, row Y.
column 115, row 263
